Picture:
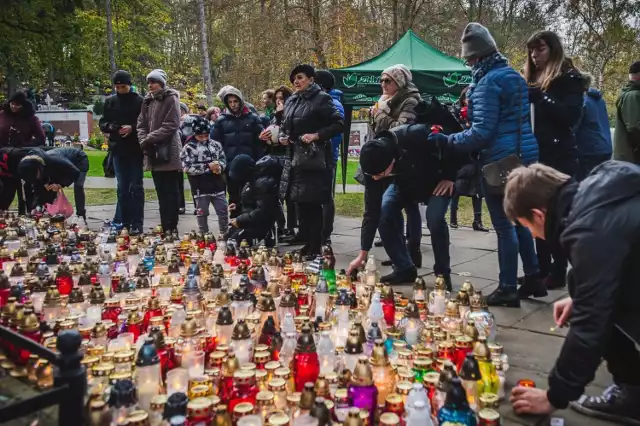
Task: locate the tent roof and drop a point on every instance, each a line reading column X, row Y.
column 412, row 52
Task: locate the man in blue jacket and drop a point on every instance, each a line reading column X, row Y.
column 593, row 133
column 326, row 80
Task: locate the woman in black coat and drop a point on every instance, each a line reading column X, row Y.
column 310, row 121
column 556, row 91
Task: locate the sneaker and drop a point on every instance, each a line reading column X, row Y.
column 453, row 224
column 378, row 242
column 555, row 281
column 532, row 285
column 182, row 210
column 617, row 403
column 503, row 297
column 400, row 277
column 478, row 226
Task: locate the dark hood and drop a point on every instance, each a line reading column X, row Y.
column 267, row 166
column 609, row 183
column 27, row 110
column 594, row 93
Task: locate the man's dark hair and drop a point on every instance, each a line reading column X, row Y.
column 635, row 68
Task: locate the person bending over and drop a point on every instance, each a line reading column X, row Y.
column 597, row 226
column 260, row 206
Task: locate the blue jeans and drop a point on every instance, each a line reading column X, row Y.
column 512, row 238
column 130, row 208
column 437, row 224
column 391, row 228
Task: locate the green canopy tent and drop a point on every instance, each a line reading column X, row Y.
column 434, row 73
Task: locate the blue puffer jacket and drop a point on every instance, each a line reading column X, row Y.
column 499, row 116
column 336, row 95
column 593, row 134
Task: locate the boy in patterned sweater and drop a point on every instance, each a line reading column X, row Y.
column 203, row 161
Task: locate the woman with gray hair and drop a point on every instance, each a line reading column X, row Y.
column 158, row 126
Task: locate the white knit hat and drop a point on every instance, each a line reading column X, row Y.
column 400, row 74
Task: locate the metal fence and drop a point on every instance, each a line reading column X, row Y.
column 70, row 380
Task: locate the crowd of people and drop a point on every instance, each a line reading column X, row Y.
column 534, row 145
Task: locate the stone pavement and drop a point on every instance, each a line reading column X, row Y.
column 525, row 332
column 95, row 182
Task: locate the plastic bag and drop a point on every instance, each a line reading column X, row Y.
column 60, row 205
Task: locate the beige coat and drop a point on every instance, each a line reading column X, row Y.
column 399, row 110
column 158, row 123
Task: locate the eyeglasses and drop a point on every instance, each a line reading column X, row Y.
column 385, row 80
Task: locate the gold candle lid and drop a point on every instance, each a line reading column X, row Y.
column 294, row 398
column 243, row 409
column 138, row 418
column 124, row 375
column 199, row 406
column 422, row 363
column 107, row 357
column 103, row 370
column 158, row 402
column 272, row 366
column 404, row 387
column 264, row 397
column 198, row 391
column 332, row 377
column 404, row 374
column 283, row 372
column 489, row 400
column 249, row 366
column 276, row 385
column 261, row 357
column 278, row 419
column 489, row 415
column 389, row 419
column 431, row 378
column 261, row 348
column 123, row 357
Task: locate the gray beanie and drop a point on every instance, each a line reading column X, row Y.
column 158, row 75
column 477, row 41
column 184, row 107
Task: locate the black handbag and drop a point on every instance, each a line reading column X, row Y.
column 308, row 157
column 162, row 153
column 107, row 166
column 497, row 172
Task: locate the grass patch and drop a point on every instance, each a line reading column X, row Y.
column 95, row 164
column 352, row 165
column 352, row 205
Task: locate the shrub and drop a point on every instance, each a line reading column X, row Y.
column 98, row 107
column 77, row 105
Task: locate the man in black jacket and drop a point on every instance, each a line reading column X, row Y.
column 119, row 122
column 78, row 158
column 238, row 130
column 420, row 174
column 596, row 224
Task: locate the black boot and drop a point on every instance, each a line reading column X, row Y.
column 532, row 285
column 416, row 257
column 617, row 403
column 386, row 262
column 447, row 281
column 503, row 297
column 400, row 277
column 478, row 226
column 555, row 281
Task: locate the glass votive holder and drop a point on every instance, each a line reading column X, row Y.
column 177, row 381
column 194, row 362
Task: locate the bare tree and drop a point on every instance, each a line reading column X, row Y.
column 112, row 52
column 206, row 68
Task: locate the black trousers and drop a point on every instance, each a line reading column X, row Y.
column 168, row 189
column 181, row 203
column 623, row 359
column 234, row 190
column 310, row 220
column 8, row 192
column 547, row 250
column 329, row 210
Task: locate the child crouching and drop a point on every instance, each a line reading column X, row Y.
column 203, row 161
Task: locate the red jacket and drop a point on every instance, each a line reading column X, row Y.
column 21, row 129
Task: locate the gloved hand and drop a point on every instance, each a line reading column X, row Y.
column 535, row 94
column 439, row 140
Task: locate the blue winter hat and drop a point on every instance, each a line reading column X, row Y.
column 241, row 168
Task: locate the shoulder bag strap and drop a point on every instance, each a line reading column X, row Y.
column 518, row 146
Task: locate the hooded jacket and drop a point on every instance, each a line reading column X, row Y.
column 598, row 225
column 22, row 128
column 121, row 110
column 398, row 110
column 158, row 124
column 238, row 134
column 260, row 205
column 593, row 134
column 499, row 115
column 626, row 137
column 76, row 156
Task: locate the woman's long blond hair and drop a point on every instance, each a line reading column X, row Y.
column 555, row 66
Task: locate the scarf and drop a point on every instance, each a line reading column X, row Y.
column 482, row 67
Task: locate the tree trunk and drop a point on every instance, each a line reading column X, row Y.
column 394, row 5
column 112, row 53
column 206, row 67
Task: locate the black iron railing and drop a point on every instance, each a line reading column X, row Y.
column 69, row 383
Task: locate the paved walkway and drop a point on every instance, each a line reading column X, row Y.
column 525, row 333
column 94, row 182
